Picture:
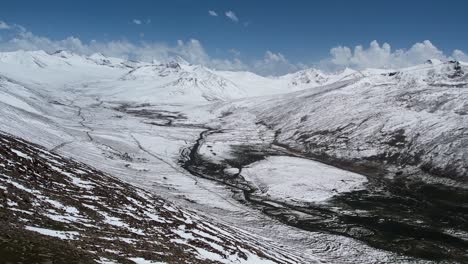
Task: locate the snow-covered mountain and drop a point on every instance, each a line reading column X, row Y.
column 175, row 81
column 247, row 152
column 413, row 117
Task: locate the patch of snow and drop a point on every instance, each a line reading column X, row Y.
column 21, row 187
column 21, row 154
column 103, row 260
column 82, row 183
column 144, row 261
column 71, row 235
column 155, row 217
column 300, row 180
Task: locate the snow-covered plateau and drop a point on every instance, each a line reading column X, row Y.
column 116, row 161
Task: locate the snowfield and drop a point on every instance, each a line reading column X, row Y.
column 232, row 167
column 300, row 181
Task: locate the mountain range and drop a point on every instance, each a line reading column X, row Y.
column 175, row 162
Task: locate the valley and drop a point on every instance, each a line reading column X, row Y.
column 315, row 168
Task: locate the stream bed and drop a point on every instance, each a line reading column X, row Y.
column 401, row 215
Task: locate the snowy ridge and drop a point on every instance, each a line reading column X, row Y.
column 414, row 117
column 173, row 81
column 313, row 78
column 182, row 81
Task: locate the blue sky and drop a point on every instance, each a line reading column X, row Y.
column 300, row 32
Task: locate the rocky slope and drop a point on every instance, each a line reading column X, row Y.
column 55, row 209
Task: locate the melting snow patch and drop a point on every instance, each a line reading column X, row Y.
column 128, row 240
column 69, row 209
column 54, row 233
column 181, row 233
column 11, row 203
column 21, row 187
column 155, row 217
column 144, row 261
column 170, row 209
column 301, row 180
column 105, row 261
column 21, row 154
column 65, row 218
column 206, row 235
column 21, row 211
column 82, row 183
column 112, row 220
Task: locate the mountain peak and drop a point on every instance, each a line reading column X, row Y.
column 63, row 54
column 180, row 61
column 98, row 55
column 434, row 61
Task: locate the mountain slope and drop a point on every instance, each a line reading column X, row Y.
column 411, row 121
column 405, row 133
column 55, row 203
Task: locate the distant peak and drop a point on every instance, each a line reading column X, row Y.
column 434, row 61
column 348, row 71
column 173, row 65
column 63, row 53
column 155, row 62
column 180, row 61
column 98, row 55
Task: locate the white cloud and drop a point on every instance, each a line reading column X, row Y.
column 274, row 64
column 234, row 52
column 460, row 55
column 376, row 55
column 136, row 21
column 212, row 13
column 191, row 50
column 382, row 56
column 231, row 15
column 4, row 25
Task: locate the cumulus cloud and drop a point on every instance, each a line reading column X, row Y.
column 4, row 25
column 382, row 56
column 136, row 21
column 460, row 55
column 275, row 64
column 231, row 15
column 212, row 13
column 234, row 52
column 17, row 37
column 191, row 50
